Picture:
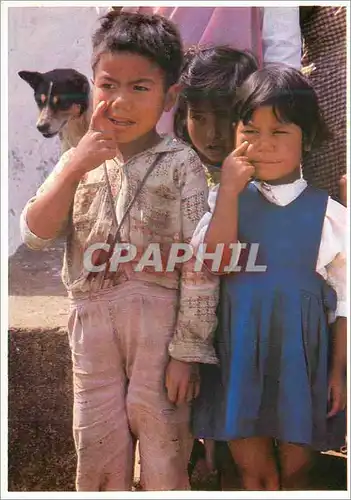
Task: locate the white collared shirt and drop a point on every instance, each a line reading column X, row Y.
column 331, row 263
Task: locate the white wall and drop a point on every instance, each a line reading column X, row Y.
column 39, row 39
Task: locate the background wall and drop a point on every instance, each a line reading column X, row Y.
column 39, row 39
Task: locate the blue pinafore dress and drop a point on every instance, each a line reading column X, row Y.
column 273, row 336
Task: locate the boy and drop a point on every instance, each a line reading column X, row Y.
column 123, row 324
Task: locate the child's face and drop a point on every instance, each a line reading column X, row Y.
column 275, row 148
column 210, row 133
column 134, row 88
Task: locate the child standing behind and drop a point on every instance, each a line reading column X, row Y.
column 276, row 386
column 123, row 325
column 203, row 119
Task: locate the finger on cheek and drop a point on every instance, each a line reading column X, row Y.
column 234, row 127
column 250, row 149
column 100, row 106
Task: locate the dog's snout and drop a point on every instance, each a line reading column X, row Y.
column 43, row 127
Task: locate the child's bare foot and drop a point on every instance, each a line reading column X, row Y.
column 202, row 478
column 201, row 475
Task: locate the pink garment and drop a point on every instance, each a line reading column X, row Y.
column 239, row 27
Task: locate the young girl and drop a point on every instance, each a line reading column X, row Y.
column 136, row 333
column 209, row 80
column 280, row 384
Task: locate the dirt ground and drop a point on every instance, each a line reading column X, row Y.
column 41, row 452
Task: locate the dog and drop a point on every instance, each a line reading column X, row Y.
column 64, row 102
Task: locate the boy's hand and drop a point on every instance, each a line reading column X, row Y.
column 236, row 170
column 98, row 144
column 336, row 392
column 182, row 381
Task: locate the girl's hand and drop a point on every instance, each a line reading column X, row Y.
column 343, row 189
column 182, row 381
column 336, row 393
column 98, row 144
column 236, row 170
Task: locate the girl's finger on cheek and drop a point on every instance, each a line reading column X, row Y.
column 250, row 150
column 241, row 150
column 234, row 134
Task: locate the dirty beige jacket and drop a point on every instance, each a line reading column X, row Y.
column 167, row 210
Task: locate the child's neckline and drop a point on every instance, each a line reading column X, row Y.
column 254, row 184
column 165, row 144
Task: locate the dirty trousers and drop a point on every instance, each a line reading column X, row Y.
column 119, row 341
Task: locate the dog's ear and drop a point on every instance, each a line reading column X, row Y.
column 32, row 77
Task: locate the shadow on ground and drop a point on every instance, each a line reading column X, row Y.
column 37, row 272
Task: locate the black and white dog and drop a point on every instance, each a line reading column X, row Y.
column 63, row 99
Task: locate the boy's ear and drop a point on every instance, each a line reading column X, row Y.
column 171, row 96
column 33, row 78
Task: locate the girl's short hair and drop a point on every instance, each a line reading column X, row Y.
column 210, row 76
column 290, row 94
column 152, row 36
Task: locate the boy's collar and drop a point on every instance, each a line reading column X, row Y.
column 165, row 145
column 168, row 143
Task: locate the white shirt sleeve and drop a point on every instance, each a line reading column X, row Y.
column 30, row 239
column 281, row 36
column 200, row 231
column 331, row 262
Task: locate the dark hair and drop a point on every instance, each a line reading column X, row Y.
column 290, row 94
column 151, row 36
column 210, row 75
